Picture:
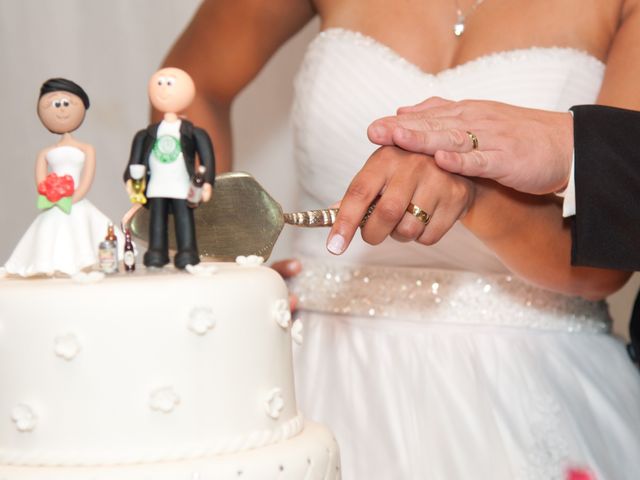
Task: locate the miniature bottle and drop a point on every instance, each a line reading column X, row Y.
column 111, row 234
column 129, row 257
column 108, row 252
column 194, row 197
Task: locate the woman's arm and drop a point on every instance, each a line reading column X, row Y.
column 88, row 173
column 620, row 87
column 532, row 239
column 41, row 169
column 223, row 48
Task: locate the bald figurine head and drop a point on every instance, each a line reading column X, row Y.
column 171, row 90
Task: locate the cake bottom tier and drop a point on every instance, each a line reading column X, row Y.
column 312, row 454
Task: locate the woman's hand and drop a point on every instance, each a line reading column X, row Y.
column 401, row 178
column 288, row 268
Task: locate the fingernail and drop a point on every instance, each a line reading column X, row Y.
column 336, row 244
column 378, row 131
column 294, row 266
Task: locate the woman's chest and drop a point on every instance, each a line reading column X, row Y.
column 422, row 31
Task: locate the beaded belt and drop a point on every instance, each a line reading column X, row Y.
column 442, row 296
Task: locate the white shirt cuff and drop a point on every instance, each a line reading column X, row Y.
column 569, row 193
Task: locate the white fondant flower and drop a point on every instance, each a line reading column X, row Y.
column 249, row 261
column 282, row 313
column 202, row 269
column 91, row 277
column 24, row 418
column 274, row 403
column 201, row 320
column 164, row 399
column 67, row 346
column 297, row 332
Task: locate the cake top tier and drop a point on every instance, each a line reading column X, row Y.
column 155, row 365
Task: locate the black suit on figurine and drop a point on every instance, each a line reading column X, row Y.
column 192, row 140
column 606, row 228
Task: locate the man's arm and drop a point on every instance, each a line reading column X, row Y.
column 606, row 229
column 135, row 157
column 204, row 147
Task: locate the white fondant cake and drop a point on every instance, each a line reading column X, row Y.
column 162, row 376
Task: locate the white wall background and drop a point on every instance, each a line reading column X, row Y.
column 111, row 48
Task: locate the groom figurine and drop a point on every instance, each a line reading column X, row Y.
column 168, row 151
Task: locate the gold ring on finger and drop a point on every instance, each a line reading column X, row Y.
column 419, row 213
column 474, row 139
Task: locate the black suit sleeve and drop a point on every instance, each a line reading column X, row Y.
column 606, row 228
column 136, row 155
column 204, row 147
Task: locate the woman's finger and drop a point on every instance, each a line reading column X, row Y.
column 417, row 216
column 287, row 268
column 391, row 207
column 362, row 191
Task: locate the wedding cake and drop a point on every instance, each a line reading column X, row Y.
column 163, row 375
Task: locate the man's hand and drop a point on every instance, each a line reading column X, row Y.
column 129, row 187
column 207, row 192
column 525, row 149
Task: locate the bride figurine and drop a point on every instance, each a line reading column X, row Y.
column 64, row 237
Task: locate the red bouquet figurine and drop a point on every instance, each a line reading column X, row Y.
column 55, row 190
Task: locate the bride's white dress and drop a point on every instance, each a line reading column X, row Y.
column 433, row 362
column 57, row 242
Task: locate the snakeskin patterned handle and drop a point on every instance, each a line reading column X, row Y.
column 322, row 218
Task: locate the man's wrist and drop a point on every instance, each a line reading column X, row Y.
column 568, row 192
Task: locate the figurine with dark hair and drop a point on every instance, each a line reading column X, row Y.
column 166, row 151
column 65, row 235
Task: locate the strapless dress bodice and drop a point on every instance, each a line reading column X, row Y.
column 66, row 160
column 347, row 80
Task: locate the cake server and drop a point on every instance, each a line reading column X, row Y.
column 241, row 219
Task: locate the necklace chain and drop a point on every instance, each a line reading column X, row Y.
column 458, row 27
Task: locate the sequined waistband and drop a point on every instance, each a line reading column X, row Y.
column 442, row 296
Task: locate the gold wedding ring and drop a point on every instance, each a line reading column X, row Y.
column 474, row 139
column 420, row 214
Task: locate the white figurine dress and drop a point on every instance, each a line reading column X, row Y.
column 57, row 242
column 433, row 363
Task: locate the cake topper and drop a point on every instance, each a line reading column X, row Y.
column 167, row 152
column 63, row 237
